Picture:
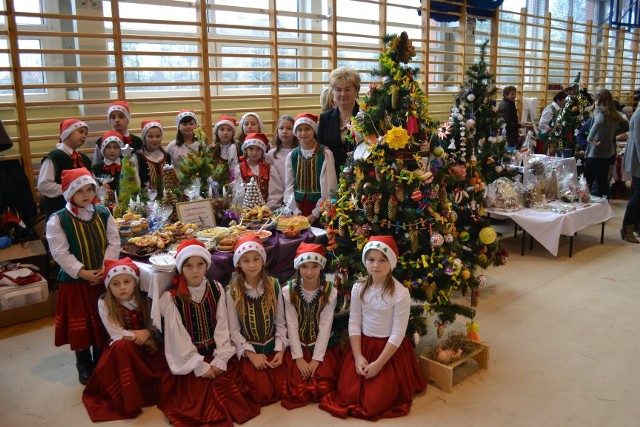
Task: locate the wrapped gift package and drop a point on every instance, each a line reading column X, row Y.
column 23, row 295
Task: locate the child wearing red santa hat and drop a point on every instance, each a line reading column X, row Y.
column 204, row 385
column 112, row 145
column 128, row 375
column 311, row 175
column 257, row 322
column 150, row 160
column 65, row 156
column 310, row 301
column 81, row 236
column 119, row 116
column 224, row 132
column 284, row 142
column 380, row 375
column 253, row 165
column 185, row 142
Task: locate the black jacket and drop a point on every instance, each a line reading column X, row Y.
column 509, row 114
column 329, row 136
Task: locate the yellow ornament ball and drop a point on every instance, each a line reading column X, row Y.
column 463, row 236
column 465, row 274
column 482, row 259
column 487, row 235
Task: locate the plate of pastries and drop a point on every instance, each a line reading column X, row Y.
column 298, row 222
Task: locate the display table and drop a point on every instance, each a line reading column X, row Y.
column 563, row 165
column 280, row 254
column 547, row 227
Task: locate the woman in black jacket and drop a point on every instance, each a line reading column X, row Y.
column 332, row 127
column 509, row 113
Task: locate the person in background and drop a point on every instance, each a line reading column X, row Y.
column 285, row 141
column 249, row 123
column 127, row 377
column 65, row 156
column 112, row 145
column 203, row 387
column 380, row 375
column 81, row 236
column 550, row 113
column 310, row 301
column 119, row 116
column 327, row 100
column 631, row 220
column 333, row 127
column 151, row 158
column 224, row 145
column 185, row 142
column 600, row 143
column 509, row 113
column 257, row 322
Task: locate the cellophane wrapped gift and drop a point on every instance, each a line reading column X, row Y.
column 505, row 195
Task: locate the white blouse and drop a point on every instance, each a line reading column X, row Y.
column 229, row 153
column 274, row 201
column 155, row 156
column 116, row 332
column 279, row 162
column 59, row 245
column 47, row 184
column 324, row 329
column 234, row 322
column 178, row 152
column 328, row 181
column 182, row 355
column 378, row 316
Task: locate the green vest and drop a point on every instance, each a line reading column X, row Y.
column 258, row 324
column 61, row 162
column 306, row 174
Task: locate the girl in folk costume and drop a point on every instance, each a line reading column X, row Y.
column 203, row 387
column 81, row 236
column 311, row 174
column 185, row 142
column 119, row 116
column 65, row 156
column 253, row 165
column 224, row 147
column 380, row 375
column 249, row 123
column 150, row 160
column 285, row 141
column 310, row 301
column 257, row 322
column 130, row 368
column 112, row 145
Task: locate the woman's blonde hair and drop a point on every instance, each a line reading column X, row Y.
column 114, row 313
column 237, row 288
column 327, row 102
column 347, row 74
column 606, row 104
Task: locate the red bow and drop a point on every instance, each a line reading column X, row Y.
column 77, row 160
column 179, row 286
column 112, row 168
column 127, row 139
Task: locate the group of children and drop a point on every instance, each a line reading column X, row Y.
column 281, row 336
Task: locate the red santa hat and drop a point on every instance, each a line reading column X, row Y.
column 75, row 179
column 69, row 126
column 189, row 248
column 121, row 106
column 121, row 266
column 243, row 118
column 148, row 124
column 248, row 244
column 384, row 244
column 307, row 119
column 186, row 113
column 310, row 252
column 112, row 136
column 225, row 120
column 258, row 139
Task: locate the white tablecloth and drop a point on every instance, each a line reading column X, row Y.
column 547, row 227
column 154, row 282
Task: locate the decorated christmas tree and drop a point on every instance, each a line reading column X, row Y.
column 562, row 132
column 204, row 163
column 401, row 183
column 129, row 187
column 475, row 124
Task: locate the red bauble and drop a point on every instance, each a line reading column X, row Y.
column 416, row 196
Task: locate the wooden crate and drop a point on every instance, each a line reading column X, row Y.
column 443, row 375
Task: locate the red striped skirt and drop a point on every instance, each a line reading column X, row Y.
column 188, row 400
column 126, row 379
column 77, row 320
column 298, row 391
column 387, row 395
column 262, row 385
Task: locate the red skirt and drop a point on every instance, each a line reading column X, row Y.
column 77, row 320
column 188, row 400
column 126, row 379
column 297, row 391
column 263, row 386
column 387, row 395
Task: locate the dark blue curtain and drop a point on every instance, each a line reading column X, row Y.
column 483, row 8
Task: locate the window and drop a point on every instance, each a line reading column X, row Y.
column 26, row 60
